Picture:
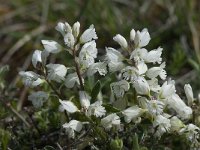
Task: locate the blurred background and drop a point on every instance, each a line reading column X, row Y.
column 173, row 25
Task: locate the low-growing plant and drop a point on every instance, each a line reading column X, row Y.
column 118, row 101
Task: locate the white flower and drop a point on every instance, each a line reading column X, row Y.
column 132, row 113
column 155, row 107
column 110, row 120
column 51, row 46
column 162, row 125
column 36, row 58
column 84, row 99
column 132, row 35
column 114, row 59
column 154, row 56
column 38, row 98
column 88, row 35
column 142, row 38
column 56, row 72
column 130, row 73
column 167, row 89
column 76, row 29
column 96, row 109
column 69, row 40
column 68, row 106
column 63, row 28
column 176, row 103
column 153, row 84
column 30, row 78
column 189, row 94
column 97, row 67
column 191, row 131
column 139, row 54
column 142, row 67
column 176, row 124
column 121, row 41
column 141, row 86
column 119, row 88
column 157, row 71
column 72, row 126
column 71, row 79
column 87, row 54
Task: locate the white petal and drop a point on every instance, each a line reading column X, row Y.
column 69, row 40
column 68, row 106
column 36, row 58
column 189, row 94
column 141, row 86
column 71, row 79
column 84, row 99
column 56, row 72
column 119, row 88
column 88, row 35
column 51, row 46
column 73, row 124
column 121, row 41
column 132, row 35
column 38, row 98
column 142, row 38
column 97, row 67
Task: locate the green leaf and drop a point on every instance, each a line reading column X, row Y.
column 95, row 91
column 194, row 64
column 135, row 142
column 110, row 108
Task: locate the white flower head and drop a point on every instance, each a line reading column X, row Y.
column 71, row 80
column 132, row 35
column 63, row 28
column 69, row 40
column 110, row 120
column 132, row 113
column 191, row 131
column 36, row 58
column 141, row 86
column 177, row 104
column 72, row 126
column 114, row 59
column 51, row 46
column 154, row 56
column 56, row 72
column 167, row 89
column 119, row 88
column 87, row 54
column 30, row 78
column 157, row 71
column 130, row 73
column 88, row 35
column 121, row 41
column 139, row 54
column 162, row 125
column 142, row 67
column 76, row 29
column 142, row 38
column 153, row 84
column 38, row 98
column 100, row 67
column 155, row 107
column 189, row 94
column 84, row 99
column 68, row 106
column 96, row 109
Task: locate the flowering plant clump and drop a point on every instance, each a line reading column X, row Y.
column 142, row 104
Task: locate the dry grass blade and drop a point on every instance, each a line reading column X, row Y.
column 24, row 40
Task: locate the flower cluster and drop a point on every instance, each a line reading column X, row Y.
column 139, row 73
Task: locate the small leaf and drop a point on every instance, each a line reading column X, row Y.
column 194, row 64
column 95, row 91
column 110, row 108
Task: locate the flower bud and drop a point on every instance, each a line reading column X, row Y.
column 121, row 41
column 76, row 29
column 132, row 35
column 141, row 86
column 189, row 94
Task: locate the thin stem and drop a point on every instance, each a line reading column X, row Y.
column 16, row 113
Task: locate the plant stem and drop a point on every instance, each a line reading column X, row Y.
column 8, row 105
column 78, row 69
